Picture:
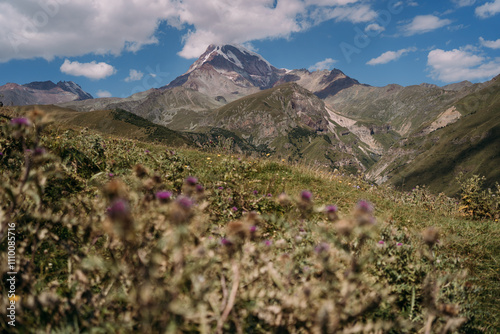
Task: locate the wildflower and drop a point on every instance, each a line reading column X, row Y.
column 181, row 210
column 269, row 195
column 381, row 242
column 364, row 206
column 331, row 212
column 322, row 247
column 111, row 175
column 191, row 180
column 21, row 121
column 39, row 151
column 253, row 229
column 268, row 243
column 208, row 158
column 164, row 196
column 363, row 213
column 226, row 242
column 306, row 196
column 255, row 192
column 399, row 244
column 119, row 213
column 220, row 188
column 185, row 202
column 305, row 203
column 146, row 151
column 234, row 208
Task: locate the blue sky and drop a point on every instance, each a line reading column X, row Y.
column 120, row 47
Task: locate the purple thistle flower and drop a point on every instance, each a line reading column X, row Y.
column 185, row 202
column 331, row 209
column 191, row 180
column 146, row 151
column 225, row 242
column 40, row 151
column 20, row 121
column 199, row 188
column 269, row 195
column 255, row 192
column 253, row 229
column 268, row 243
column 234, row 208
column 164, row 196
column 118, row 208
column 399, row 244
column 111, row 174
column 381, row 242
column 306, row 195
column 221, row 188
column 365, row 206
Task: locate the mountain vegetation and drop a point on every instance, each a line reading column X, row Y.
column 125, row 235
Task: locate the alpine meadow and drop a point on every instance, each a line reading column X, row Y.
column 286, row 166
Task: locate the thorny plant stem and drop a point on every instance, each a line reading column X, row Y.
column 232, row 297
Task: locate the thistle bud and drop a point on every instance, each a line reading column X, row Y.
column 431, row 236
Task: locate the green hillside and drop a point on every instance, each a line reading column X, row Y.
column 471, row 145
column 120, row 235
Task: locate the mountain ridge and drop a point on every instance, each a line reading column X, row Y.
column 42, row 92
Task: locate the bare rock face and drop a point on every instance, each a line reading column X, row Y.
column 42, row 92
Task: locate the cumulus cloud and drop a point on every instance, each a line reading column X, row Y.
column 50, row 28
column 389, row 56
column 424, row 23
column 92, row 70
column 323, row 65
column 134, row 75
column 103, row 93
column 490, row 44
column 488, row 9
column 461, row 64
column 63, row 28
column 375, row 27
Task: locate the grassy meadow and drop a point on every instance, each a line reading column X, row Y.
column 129, row 236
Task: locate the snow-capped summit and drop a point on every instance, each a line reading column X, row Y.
column 230, row 70
column 233, row 57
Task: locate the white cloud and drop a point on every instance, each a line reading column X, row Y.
column 389, row 56
column 63, row 28
column 134, row 75
column 323, row 65
column 103, row 93
column 461, row 64
column 374, row 27
column 424, row 23
column 354, row 14
column 51, row 28
column 490, row 44
column 92, row 70
column 488, row 9
column 463, row 3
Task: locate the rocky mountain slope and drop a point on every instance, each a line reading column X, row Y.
column 44, row 92
column 324, row 117
column 470, row 144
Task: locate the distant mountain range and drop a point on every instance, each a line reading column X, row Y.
column 325, row 117
column 45, row 92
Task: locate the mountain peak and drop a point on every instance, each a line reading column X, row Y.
column 233, row 57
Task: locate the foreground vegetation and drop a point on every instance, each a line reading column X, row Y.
column 116, row 235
